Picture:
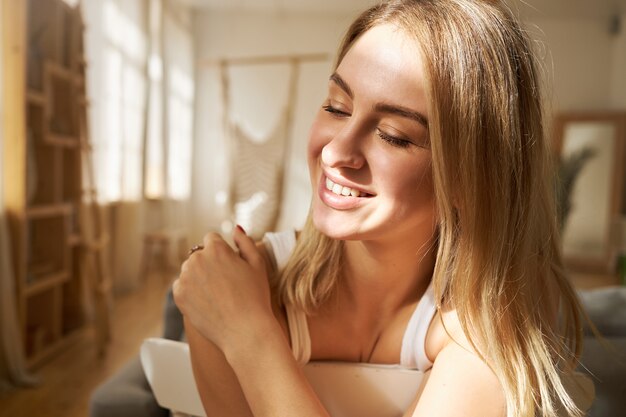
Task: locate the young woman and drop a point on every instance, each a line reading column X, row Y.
column 431, row 184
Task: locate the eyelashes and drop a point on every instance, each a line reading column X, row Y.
column 390, row 139
column 333, row 110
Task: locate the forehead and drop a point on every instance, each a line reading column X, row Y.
column 385, row 64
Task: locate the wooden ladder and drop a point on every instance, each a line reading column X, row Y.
column 92, row 220
column 94, row 255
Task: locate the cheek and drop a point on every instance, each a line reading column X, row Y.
column 418, row 187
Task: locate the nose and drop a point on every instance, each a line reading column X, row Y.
column 345, row 149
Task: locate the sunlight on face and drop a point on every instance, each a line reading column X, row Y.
column 369, row 154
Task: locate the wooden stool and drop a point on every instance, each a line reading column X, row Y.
column 158, row 243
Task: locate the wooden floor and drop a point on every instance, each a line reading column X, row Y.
column 68, row 379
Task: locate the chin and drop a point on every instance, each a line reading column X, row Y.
column 323, row 224
column 333, row 227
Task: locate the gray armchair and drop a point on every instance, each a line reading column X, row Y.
column 127, row 393
column 606, row 365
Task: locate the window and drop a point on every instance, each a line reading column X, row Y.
column 171, row 80
column 140, row 71
column 117, row 55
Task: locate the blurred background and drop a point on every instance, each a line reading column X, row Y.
column 130, row 128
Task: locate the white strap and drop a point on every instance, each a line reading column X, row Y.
column 413, row 354
column 280, row 245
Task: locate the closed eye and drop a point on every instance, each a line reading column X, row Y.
column 335, row 111
column 393, row 140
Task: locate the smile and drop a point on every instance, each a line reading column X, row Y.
column 339, row 189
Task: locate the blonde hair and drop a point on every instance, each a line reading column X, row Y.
column 498, row 261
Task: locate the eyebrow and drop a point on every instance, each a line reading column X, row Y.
column 342, row 84
column 403, row 112
column 383, row 107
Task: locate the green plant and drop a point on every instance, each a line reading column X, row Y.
column 568, row 171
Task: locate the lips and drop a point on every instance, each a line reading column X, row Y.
column 340, row 197
column 342, row 190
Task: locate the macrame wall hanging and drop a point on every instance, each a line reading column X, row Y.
column 258, row 167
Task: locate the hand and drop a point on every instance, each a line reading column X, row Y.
column 224, row 294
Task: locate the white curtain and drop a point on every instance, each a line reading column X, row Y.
column 171, row 74
column 140, row 77
column 179, row 93
column 155, row 141
column 116, row 47
column 12, row 364
column 170, row 115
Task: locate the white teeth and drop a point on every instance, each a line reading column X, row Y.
column 340, row 190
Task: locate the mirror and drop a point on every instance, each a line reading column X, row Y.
column 591, row 154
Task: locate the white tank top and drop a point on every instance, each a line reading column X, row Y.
column 413, row 354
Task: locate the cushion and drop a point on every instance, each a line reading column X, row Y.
column 126, row 394
column 606, row 366
column 607, row 310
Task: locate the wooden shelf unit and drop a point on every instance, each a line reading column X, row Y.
column 44, row 65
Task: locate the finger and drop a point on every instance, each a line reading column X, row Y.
column 176, row 291
column 247, row 247
column 185, row 266
column 216, row 249
column 210, row 238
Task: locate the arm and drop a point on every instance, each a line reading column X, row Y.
column 460, row 383
column 240, row 356
column 270, row 377
column 218, row 386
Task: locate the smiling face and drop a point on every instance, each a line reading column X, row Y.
column 369, row 155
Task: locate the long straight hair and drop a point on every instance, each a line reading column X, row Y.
column 498, row 259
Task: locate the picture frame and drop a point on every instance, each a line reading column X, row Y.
column 591, row 151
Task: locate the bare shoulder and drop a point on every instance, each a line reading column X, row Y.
column 458, row 373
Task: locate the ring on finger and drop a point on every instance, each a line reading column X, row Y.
column 195, row 248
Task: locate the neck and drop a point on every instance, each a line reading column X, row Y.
column 385, row 276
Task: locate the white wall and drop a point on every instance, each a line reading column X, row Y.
column 577, row 58
column 258, row 96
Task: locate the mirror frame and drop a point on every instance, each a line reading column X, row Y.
column 607, row 262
